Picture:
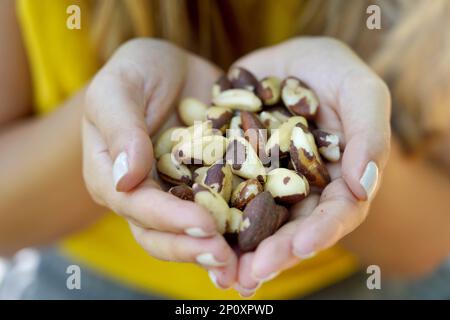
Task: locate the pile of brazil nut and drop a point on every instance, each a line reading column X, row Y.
column 249, row 156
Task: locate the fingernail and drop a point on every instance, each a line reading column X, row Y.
column 197, row 233
column 213, row 278
column 268, row 277
column 369, row 179
column 246, row 294
column 208, row 259
column 120, row 167
column 304, row 255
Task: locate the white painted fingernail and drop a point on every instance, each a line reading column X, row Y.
column 120, row 167
column 369, row 179
column 207, row 259
column 304, row 256
column 197, row 233
column 247, row 293
column 213, row 278
column 268, row 277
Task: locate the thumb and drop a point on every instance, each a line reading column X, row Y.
column 364, row 108
column 117, row 110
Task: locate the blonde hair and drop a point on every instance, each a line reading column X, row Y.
column 411, row 51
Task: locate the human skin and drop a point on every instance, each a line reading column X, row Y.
column 31, row 212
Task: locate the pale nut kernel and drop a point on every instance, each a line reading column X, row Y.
column 219, row 178
column 328, row 145
column 235, row 129
column 298, row 98
column 234, row 220
column 220, row 85
column 305, row 157
column 213, row 203
column 214, row 149
column 241, row 78
column 279, row 112
column 269, row 121
column 245, row 192
column 196, row 131
column 199, row 174
column 260, row 220
column 205, row 150
column 220, row 117
column 191, row 110
column 190, row 151
column 173, row 172
column 183, row 192
column 286, row 186
column 280, row 139
column 238, row 99
column 165, row 142
column 269, row 90
column 244, row 161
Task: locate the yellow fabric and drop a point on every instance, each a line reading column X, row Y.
column 62, row 61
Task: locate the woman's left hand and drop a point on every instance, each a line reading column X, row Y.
column 355, row 104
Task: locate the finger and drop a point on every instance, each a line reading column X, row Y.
column 364, row 108
column 210, row 253
column 199, row 86
column 246, row 285
column 337, row 214
column 147, row 206
column 117, row 108
column 225, row 277
column 275, row 253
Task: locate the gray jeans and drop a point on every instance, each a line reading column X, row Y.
column 43, row 276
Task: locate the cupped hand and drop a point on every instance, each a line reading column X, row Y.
column 126, row 103
column 354, row 104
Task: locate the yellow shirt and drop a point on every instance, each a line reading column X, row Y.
column 61, row 62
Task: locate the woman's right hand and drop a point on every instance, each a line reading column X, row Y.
column 126, row 103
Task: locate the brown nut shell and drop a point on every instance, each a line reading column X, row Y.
column 298, row 98
column 199, row 174
column 244, row 161
column 305, row 157
column 269, row 90
column 183, row 192
column 260, row 220
column 221, row 85
column 280, row 139
column 254, row 132
column 245, row 192
column 328, row 145
column 220, row 117
column 241, row 78
column 219, row 178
